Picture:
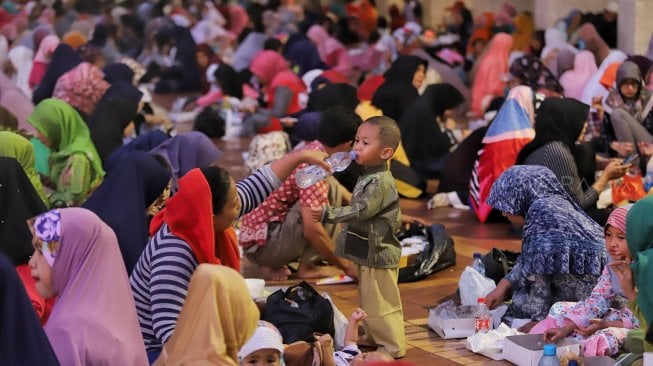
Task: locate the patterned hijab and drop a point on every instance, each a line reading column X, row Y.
column 82, row 87
column 67, row 132
column 94, row 319
column 617, row 219
column 217, row 319
column 639, row 233
column 558, row 236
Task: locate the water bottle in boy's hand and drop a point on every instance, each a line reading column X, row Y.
column 314, row 173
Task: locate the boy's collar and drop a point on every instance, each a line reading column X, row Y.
column 376, row 168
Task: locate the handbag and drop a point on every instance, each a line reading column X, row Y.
column 299, row 312
column 438, row 254
column 498, row 263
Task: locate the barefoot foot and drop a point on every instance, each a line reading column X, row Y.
column 275, row 274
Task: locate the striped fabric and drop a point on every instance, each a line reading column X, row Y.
column 160, row 279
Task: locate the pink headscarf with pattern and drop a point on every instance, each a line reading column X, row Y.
column 81, row 87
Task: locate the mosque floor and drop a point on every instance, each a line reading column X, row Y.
column 424, row 347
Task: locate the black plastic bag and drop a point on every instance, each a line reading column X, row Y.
column 498, row 263
column 299, row 312
column 438, row 254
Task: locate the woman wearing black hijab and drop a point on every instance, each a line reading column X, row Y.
column 399, row 91
column 426, row 140
column 559, row 125
column 63, row 60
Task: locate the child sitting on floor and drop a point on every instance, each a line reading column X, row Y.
column 369, row 239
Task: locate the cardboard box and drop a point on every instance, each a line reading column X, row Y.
column 526, row 350
column 599, row 361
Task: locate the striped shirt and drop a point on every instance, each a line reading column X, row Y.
column 162, row 274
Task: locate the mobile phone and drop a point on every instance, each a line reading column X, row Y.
column 630, row 158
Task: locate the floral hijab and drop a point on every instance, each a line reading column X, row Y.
column 558, row 236
column 82, row 87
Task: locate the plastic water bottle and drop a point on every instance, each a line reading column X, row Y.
column 315, row 173
column 478, row 265
column 648, row 179
column 549, row 357
column 482, row 316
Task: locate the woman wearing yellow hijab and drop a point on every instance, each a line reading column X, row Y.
column 217, row 319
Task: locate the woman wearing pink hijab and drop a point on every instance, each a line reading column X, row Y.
column 331, row 51
column 488, row 79
column 574, row 80
column 77, row 259
column 42, row 59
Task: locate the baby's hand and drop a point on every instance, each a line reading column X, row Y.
column 317, row 212
column 358, row 315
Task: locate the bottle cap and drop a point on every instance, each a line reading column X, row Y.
column 480, row 300
column 549, row 349
column 477, row 255
column 353, row 155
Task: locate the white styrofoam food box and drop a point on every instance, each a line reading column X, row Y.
column 461, row 327
column 526, row 350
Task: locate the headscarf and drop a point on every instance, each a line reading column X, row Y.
column 558, row 119
column 19, row 201
column 266, row 65
column 301, row 52
column 109, row 119
column 524, row 27
column 189, row 215
column 144, row 142
column 397, row 93
column 493, row 64
column 67, row 132
column 22, row 339
column 558, row 236
column 82, row 87
column 118, row 71
column 511, row 129
column 230, row 82
column 643, row 63
column 530, row 70
column 16, row 146
column 46, row 48
column 639, row 234
column 324, row 42
column 187, row 151
column 332, row 95
column 94, row 319
column 122, row 199
column 564, row 61
column 634, row 106
column 554, row 40
column 368, row 87
column 421, row 134
column 217, row 319
column 74, row 39
column 63, row 60
column 574, row 81
column 617, row 219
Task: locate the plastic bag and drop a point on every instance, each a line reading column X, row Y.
column 473, row 285
column 340, row 323
column 630, row 188
column 492, row 341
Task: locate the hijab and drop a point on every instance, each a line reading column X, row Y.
column 575, row 80
column 217, row 319
column 122, row 199
column 332, row 95
column 113, row 113
column 422, row 136
column 564, row 61
column 639, row 234
column 22, row 339
column 63, row 60
column 46, row 48
column 68, row 134
column 493, row 64
column 187, row 151
column 230, row 82
column 144, row 142
column 94, row 319
column 324, row 42
column 617, row 219
column 524, row 28
column 19, row 201
column 558, row 119
column 266, row 65
column 118, row 71
column 558, row 236
column 634, row 106
column 532, row 72
column 16, row 146
column 302, row 53
column 397, row 93
column 16, row 102
column 82, row 87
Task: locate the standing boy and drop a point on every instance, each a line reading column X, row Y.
column 369, row 239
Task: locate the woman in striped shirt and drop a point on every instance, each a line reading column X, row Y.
column 195, row 228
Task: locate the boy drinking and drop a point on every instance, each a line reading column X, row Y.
column 369, row 238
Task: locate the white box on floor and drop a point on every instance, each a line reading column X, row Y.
column 451, row 328
column 526, row 350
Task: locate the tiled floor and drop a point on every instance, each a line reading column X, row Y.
column 424, row 346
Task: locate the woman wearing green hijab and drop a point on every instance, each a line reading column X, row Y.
column 75, row 166
column 16, row 146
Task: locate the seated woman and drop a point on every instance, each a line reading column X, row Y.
column 23, row 340
column 631, row 104
column 195, row 227
column 75, row 166
column 426, row 131
column 77, row 259
column 283, row 91
column 562, row 252
column 400, row 88
column 217, row 319
column 560, row 123
column 488, row 73
column 601, row 321
column 17, row 147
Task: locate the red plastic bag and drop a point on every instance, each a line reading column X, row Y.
column 630, row 188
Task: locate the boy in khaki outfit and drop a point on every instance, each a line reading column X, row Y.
column 369, row 238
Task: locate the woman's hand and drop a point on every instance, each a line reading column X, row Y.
column 496, row 297
column 625, row 276
column 595, row 325
column 615, row 169
column 552, row 335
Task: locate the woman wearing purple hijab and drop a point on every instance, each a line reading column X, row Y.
column 186, row 152
column 94, row 321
